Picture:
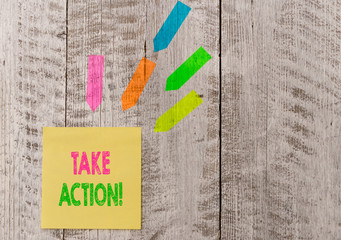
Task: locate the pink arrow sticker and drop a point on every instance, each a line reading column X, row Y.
column 95, row 81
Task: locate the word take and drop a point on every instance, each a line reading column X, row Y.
column 85, row 166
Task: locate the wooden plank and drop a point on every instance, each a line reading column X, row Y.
column 180, row 169
column 304, row 153
column 32, row 76
column 84, row 39
column 280, row 121
column 243, row 127
column 187, row 156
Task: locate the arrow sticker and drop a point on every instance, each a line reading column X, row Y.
column 171, row 26
column 176, row 113
column 181, row 75
column 95, row 81
column 137, row 83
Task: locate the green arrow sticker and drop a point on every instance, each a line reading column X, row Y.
column 181, row 75
column 176, row 113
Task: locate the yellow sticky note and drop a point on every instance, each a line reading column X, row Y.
column 91, row 178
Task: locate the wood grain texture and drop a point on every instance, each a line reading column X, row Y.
column 180, row 174
column 280, row 113
column 32, row 76
column 280, row 128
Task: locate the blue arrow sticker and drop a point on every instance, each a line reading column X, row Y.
column 171, row 26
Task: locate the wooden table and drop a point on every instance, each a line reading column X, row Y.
column 259, row 159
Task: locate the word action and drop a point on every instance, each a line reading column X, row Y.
column 107, row 195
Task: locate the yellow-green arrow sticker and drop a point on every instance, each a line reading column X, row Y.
column 176, row 113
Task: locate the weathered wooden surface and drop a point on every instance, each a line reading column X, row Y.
column 180, row 172
column 279, row 86
column 32, row 76
column 281, row 89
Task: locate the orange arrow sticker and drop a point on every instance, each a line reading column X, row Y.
column 137, row 83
